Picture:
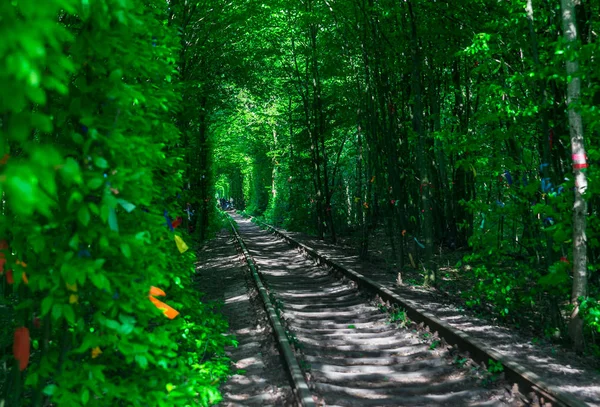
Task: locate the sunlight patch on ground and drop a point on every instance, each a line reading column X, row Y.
column 236, row 299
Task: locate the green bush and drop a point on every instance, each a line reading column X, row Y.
column 88, row 139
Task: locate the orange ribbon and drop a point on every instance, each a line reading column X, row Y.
column 169, row 311
column 96, row 352
column 9, row 274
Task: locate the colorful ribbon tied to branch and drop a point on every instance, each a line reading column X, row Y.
column 177, row 222
column 546, row 184
column 181, row 244
column 579, row 161
column 169, row 311
column 421, row 245
column 3, row 246
column 96, row 352
column 169, row 224
column 10, row 277
column 21, row 347
column 189, row 211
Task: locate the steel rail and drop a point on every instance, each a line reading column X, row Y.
column 526, row 380
column 301, row 390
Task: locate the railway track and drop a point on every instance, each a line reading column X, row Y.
column 342, row 350
column 539, row 390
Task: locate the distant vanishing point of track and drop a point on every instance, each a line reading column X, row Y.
column 349, row 352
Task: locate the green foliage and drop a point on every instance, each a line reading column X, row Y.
column 495, row 366
column 321, row 137
column 508, row 290
column 93, row 164
column 590, row 311
column 434, row 344
column 460, row 362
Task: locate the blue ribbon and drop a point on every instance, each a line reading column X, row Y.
column 546, row 184
column 508, row 177
column 169, row 224
column 84, row 253
column 419, row 243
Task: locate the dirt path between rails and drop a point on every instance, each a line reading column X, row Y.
column 222, row 275
column 350, row 352
column 576, row 375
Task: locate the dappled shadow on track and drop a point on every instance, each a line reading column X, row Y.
column 352, row 355
column 261, row 379
column 564, row 369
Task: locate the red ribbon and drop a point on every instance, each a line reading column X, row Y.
column 21, row 347
column 177, row 222
column 579, row 161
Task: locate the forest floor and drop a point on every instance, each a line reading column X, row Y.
column 260, row 379
column 576, row 375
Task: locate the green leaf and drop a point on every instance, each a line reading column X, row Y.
column 95, row 183
column 83, row 215
column 143, row 236
column 56, row 311
column 68, row 313
column 101, row 162
column 100, row 281
column 74, row 200
column 28, row 303
column 125, row 250
column 74, row 242
column 49, row 390
column 85, row 396
column 46, row 305
column 112, row 220
column 112, row 324
column 36, row 95
column 32, row 379
column 89, row 341
column 71, row 172
column 115, row 75
column 142, row 361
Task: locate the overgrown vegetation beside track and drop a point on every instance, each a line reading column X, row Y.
column 92, row 183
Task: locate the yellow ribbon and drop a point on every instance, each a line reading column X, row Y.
column 181, row 244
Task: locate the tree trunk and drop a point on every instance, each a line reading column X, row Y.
column 579, row 163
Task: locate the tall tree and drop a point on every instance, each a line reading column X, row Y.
column 579, row 164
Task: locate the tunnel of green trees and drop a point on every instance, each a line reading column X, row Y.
column 457, row 138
